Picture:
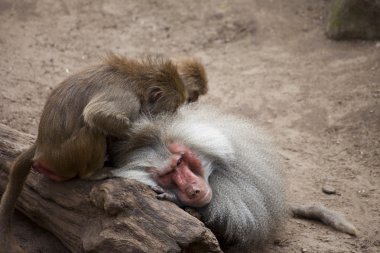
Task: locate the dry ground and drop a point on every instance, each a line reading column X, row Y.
column 266, row 59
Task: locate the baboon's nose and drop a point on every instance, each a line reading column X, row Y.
column 192, row 191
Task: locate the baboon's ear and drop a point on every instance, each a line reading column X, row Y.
column 155, row 94
column 193, row 97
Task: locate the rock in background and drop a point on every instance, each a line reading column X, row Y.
column 354, row 19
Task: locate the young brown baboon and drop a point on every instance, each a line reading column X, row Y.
column 220, row 164
column 83, row 111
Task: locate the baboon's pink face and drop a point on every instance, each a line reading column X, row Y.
column 185, row 176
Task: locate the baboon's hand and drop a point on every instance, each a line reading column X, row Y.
column 165, row 195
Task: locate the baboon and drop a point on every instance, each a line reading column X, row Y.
column 84, row 111
column 219, row 164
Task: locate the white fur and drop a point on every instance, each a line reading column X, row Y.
column 248, row 198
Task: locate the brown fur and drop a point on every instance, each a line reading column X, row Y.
column 81, row 112
column 194, row 77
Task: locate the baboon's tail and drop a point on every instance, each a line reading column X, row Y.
column 321, row 213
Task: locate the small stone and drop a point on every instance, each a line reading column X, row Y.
column 303, row 250
column 328, row 189
column 363, row 193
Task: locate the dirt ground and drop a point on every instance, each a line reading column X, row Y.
column 266, row 59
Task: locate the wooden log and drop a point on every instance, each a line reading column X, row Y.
column 112, row 215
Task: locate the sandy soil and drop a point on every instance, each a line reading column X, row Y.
column 267, row 60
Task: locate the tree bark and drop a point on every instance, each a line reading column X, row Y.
column 112, row 215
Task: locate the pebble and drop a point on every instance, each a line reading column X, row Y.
column 328, row 189
column 363, row 193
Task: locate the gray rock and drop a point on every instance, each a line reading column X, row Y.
column 354, row 19
column 328, row 189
